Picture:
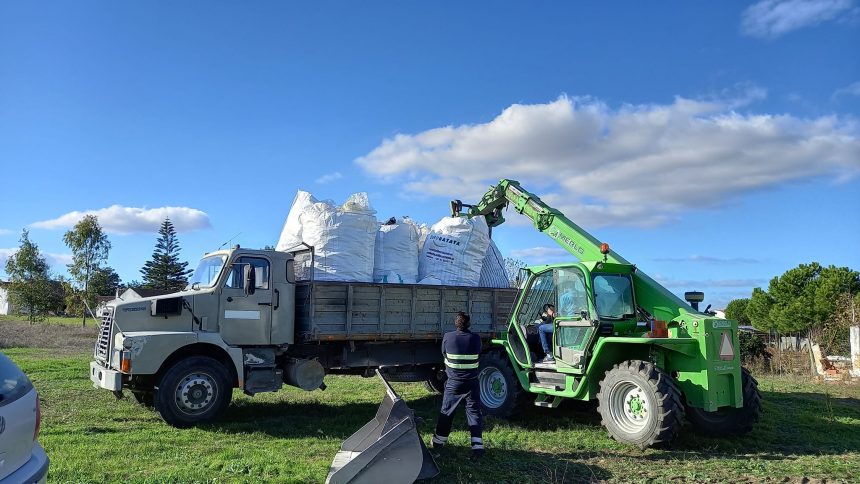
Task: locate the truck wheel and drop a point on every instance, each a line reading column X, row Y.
column 640, row 404
column 194, row 390
column 729, row 422
column 147, row 399
column 436, row 382
column 501, row 393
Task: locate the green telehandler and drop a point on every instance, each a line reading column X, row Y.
column 649, row 359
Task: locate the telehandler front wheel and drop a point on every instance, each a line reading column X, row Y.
column 730, row 422
column 501, row 393
column 640, row 404
column 194, row 390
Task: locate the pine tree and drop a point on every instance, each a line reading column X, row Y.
column 165, row 271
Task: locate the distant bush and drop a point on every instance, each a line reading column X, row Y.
column 753, row 347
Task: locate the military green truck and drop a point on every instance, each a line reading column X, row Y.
column 249, row 320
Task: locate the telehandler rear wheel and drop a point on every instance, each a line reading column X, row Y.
column 501, row 393
column 729, row 422
column 640, row 404
column 194, row 390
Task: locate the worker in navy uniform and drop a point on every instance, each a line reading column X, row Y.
column 461, row 350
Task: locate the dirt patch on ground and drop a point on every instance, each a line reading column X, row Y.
column 63, row 337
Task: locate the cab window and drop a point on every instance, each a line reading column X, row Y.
column 261, row 267
column 541, row 291
column 572, row 298
column 613, row 296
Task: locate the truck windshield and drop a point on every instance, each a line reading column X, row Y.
column 613, row 295
column 207, row 271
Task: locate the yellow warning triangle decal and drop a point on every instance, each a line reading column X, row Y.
column 727, row 351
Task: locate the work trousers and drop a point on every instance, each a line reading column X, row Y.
column 545, row 333
column 455, row 392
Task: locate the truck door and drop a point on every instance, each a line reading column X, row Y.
column 246, row 319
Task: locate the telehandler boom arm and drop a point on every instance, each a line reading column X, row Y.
column 651, row 296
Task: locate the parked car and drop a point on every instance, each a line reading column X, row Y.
column 22, row 459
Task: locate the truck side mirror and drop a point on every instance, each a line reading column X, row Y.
column 250, row 279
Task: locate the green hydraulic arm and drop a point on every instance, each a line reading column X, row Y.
column 651, row 296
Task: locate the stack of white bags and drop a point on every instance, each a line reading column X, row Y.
column 350, row 245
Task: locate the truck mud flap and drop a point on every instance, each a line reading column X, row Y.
column 386, row 449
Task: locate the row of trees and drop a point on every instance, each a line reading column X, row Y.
column 808, row 298
column 32, row 286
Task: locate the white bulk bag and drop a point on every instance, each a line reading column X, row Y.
column 342, row 237
column 396, row 256
column 493, row 272
column 454, row 251
column 291, row 235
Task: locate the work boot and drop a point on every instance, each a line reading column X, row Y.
column 547, row 359
column 437, row 442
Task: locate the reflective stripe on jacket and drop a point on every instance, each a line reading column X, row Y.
column 461, row 351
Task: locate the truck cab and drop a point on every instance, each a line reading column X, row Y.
column 224, row 330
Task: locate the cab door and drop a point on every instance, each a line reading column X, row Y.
column 574, row 328
column 245, row 318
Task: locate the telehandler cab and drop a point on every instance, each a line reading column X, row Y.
column 619, row 337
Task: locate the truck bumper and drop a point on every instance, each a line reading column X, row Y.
column 104, row 377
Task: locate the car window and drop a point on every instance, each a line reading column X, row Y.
column 13, row 382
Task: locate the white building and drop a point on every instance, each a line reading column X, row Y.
column 5, row 305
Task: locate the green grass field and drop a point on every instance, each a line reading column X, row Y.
column 808, row 430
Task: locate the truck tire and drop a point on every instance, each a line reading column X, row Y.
column 194, row 390
column 640, row 404
column 730, row 422
column 501, row 393
column 436, row 382
column 144, row 398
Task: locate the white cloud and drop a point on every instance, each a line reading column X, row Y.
column 710, row 259
column 329, row 177
column 6, row 232
column 773, row 18
column 541, row 255
column 637, row 165
column 55, row 260
column 117, row 219
column 852, row 89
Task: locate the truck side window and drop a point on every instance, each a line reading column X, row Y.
column 261, row 266
column 542, row 291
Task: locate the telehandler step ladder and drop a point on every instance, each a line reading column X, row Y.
column 548, row 401
column 387, row 449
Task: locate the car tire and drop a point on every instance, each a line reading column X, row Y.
column 640, row 404
column 195, row 390
column 730, row 422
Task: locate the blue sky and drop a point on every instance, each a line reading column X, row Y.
column 715, row 144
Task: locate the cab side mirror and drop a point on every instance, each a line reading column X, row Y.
column 249, row 279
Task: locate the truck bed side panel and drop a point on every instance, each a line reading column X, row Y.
column 331, row 311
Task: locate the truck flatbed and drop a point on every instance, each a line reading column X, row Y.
column 341, row 311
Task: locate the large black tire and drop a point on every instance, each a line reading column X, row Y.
column 730, row 422
column 640, row 404
column 502, row 395
column 144, row 398
column 436, row 382
column 194, row 390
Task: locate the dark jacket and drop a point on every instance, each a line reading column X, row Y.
column 461, row 350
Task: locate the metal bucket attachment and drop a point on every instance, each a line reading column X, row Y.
column 387, row 449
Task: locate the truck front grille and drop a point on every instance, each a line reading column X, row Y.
column 103, row 343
